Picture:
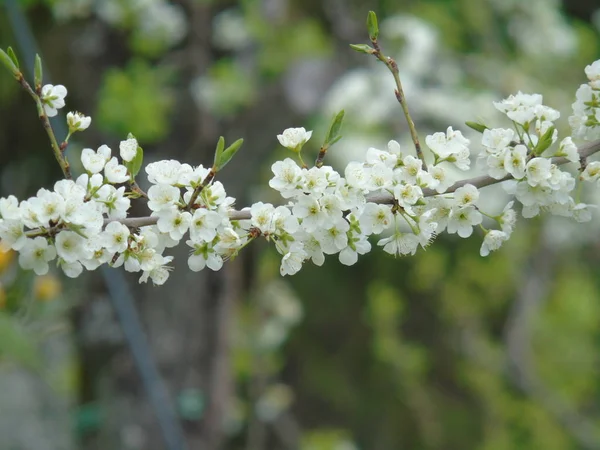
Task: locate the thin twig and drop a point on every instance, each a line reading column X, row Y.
column 392, row 66
column 201, row 186
column 57, row 149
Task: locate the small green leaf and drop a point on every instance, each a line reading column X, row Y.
column 9, row 63
column 131, row 136
column 333, row 135
column 363, row 48
column 219, row 151
column 135, row 164
column 544, row 142
column 334, row 140
column 13, row 57
column 476, row 126
column 372, row 26
column 37, row 72
column 229, row 153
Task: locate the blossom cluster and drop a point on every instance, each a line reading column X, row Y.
column 403, row 200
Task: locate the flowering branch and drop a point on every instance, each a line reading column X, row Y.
column 584, row 150
column 84, row 223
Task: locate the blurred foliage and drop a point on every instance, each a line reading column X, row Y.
column 135, row 100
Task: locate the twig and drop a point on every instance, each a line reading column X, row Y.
column 58, row 150
column 392, row 66
column 201, row 186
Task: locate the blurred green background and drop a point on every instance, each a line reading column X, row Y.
column 443, row 350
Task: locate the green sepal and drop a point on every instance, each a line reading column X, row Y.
column 132, row 195
column 9, row 63
column 219, row 152
column 372, row 26
column 363, row 48
column 37, row 72
column 333, row 135
column 544, row 142
column 77, row 229
column 477, row 126
column 229, row 153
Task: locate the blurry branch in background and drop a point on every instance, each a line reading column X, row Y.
column 535, row 287
column 518, row 362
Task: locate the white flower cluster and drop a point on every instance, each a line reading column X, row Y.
column 83, row 223
column 585, row 120
column 383, row 195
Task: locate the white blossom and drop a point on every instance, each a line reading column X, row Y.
column 36, row 254
column 493, row 241
column 294, row 138
column 115, row 237
column 77, row 121
column 462, row 221
column 162, row 196
column 375, row 218
column 291, row 262
column 94, row 161
column 466, row 195
column 288, row 179
column 53, row 98
column 70, row 246
column 128, row 149
column 115, row 172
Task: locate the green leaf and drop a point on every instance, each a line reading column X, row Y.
column 8, row 62
column 372, row 26
column 37, row 72
column 476, row 126
column 544, row 142
column 333, row 135
column 135, row 164
column 229, row 153
column 13, row 57
column 363, row 48
column 334, row 140
column 219, row 151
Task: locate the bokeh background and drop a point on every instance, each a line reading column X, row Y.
column 443, row 350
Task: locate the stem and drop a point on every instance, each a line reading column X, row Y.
column 137, row 189
column 304, row 166
column 321, row 156
column 58, row 150
column 393, row 68
column 201, row 186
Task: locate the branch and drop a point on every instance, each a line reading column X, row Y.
column 57, row 149
column 585, row 151
column 399, row 93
